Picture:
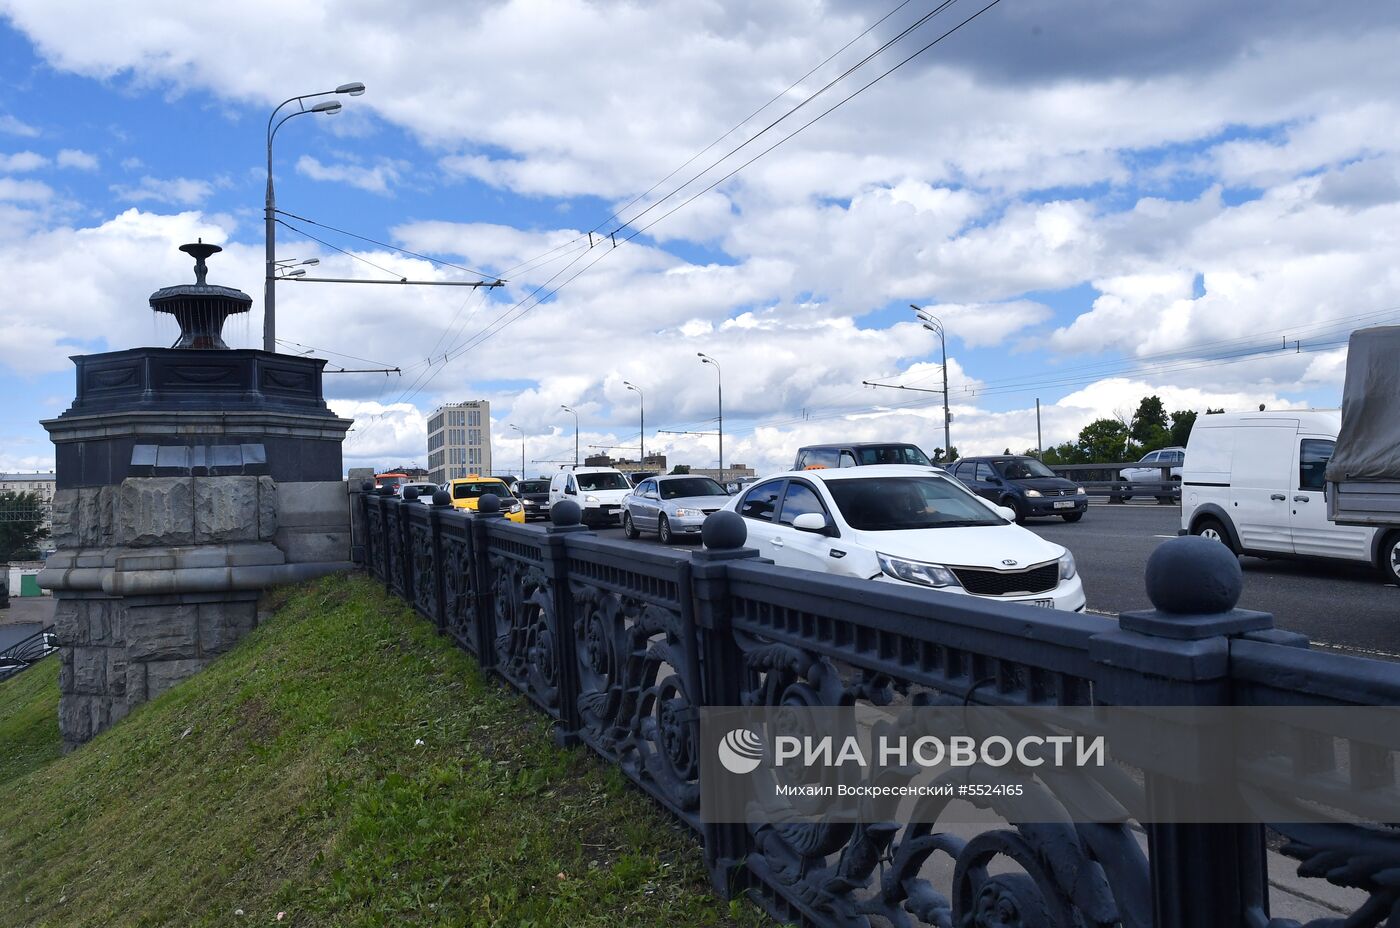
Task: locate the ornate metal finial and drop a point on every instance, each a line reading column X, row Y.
column 200, row 252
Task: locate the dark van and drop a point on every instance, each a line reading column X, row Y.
column 860, row 454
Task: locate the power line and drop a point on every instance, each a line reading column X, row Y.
column 403, row 251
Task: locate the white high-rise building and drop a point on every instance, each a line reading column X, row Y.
column 459, row 440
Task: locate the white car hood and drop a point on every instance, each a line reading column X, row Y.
column 604, row 496
column 985, row 546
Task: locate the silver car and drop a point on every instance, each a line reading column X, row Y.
column 673, row 506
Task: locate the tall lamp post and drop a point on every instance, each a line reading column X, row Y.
column 642, row 428
column 522, row 450
column 934, row 325
column 567, row 409
column 270, row 203
column 706, row 359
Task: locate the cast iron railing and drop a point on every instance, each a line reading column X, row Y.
column 24, row 653
column 621, row 645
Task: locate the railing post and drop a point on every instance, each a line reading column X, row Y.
column 565, row 519
column 442, row 503
column 481, row 563
column 386, row 555
column 406, row 534
column 1203, row 875
column 722, row 674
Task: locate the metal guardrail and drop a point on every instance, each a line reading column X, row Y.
column 1106, row 480
column 621, row 645
column 26, row 652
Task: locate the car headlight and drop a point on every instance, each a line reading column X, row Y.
column 590, row 499
column 1067, row 567
column 688, row 512
column 915, row 572
column 1032, row 492
column 516, row 506
column 1079, row 491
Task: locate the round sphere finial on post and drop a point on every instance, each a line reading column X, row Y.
column 366, row 486
column 724, row 530
column 565, row 513
column 442, row 498
column 489, row 503
column 410, row 493
column 1191, row 575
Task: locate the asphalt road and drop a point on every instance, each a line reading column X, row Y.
column 1339, row 606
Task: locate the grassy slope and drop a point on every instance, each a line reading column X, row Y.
column 287, row 778
column 29, row 720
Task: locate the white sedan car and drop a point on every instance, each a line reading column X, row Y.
column 904, row 524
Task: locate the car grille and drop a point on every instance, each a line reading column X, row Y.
column 1003, row 583
column 1070, row 492
column 708, row 511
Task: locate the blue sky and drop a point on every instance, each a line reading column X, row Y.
column 1091, row 224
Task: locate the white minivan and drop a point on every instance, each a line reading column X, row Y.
column 599, row 491
column 1255, row 481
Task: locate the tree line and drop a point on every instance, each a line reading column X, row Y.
column 1118, row 439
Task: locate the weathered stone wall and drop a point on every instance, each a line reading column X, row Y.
column 158, row 576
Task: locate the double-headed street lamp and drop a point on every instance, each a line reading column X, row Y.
column 270, row 204
column 934, row 325
column 567, row 409
column 706, row 359
column 642, row 429
column 522, row 450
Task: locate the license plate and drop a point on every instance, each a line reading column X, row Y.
column 1047, row 603
column 1065, row 504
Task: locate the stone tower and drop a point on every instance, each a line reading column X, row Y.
column 189, row 479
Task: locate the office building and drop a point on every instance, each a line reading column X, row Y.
column 459, row 440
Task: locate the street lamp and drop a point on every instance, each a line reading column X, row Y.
column 642, row 430
column 270, row 203
column 706, row 359
column 567, row 409
column 934, row 325
column 522, row 450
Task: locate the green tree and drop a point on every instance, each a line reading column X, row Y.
column 1149, row 422
column 1214, row 412
column 1063, row 453
column 681, row 469
column 1102, row 441
column 938, row 458
column 1182, row 421
column 21, row 525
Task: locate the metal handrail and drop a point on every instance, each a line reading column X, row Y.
column 26, row 652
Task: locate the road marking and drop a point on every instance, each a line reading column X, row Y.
column 1166, row 536
column 1375, row 652
column 1101, row 612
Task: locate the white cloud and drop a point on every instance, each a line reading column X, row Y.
column 22, row 161
column 24, row 191
column 12, row 126
column 77, row 159
column 176, row 191
column 376, row 179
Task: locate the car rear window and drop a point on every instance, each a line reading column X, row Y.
column 534, row 486
column 893, row 454
column 690, row 486
column 478, row 488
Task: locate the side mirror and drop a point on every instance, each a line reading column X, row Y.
column 1007, row 513
column 810, row 522
column 571, row 491
column 994, row 481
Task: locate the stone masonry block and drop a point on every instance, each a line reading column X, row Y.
column 314, row 546
column 225, row 509
column 89, row 676
column 315, row 504
column 267, row 508
column 116, row 674
column 82, row 518
column 221, row 625
column 103, row 626
column 135, row 683
column 162, row 632
column 65, row 670
column 80, row 717
column 63, row 513
column 162, row 675
column 155, row 511
column 71, row 623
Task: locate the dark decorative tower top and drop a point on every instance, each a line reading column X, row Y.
column 200, row 308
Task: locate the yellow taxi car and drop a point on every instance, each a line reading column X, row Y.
column 467, row 492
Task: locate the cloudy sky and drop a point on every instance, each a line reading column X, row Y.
column 1099, row 200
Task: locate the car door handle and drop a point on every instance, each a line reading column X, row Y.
column 1301, row 499
column 777, row 542
column 1279, row 497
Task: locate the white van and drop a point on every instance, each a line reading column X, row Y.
column 598, row 490
column 1255, row 481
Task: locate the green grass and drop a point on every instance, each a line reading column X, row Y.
column 289, row 777
column 29, row 720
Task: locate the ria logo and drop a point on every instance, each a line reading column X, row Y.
column 1009, row 562
column 741, row 751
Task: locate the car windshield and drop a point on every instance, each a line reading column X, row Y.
column 886, row 504
column 893, row 454
column 534, row 486
column 478, row 488
column 606, row 480
column 690, row 486
column 1023, row 469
